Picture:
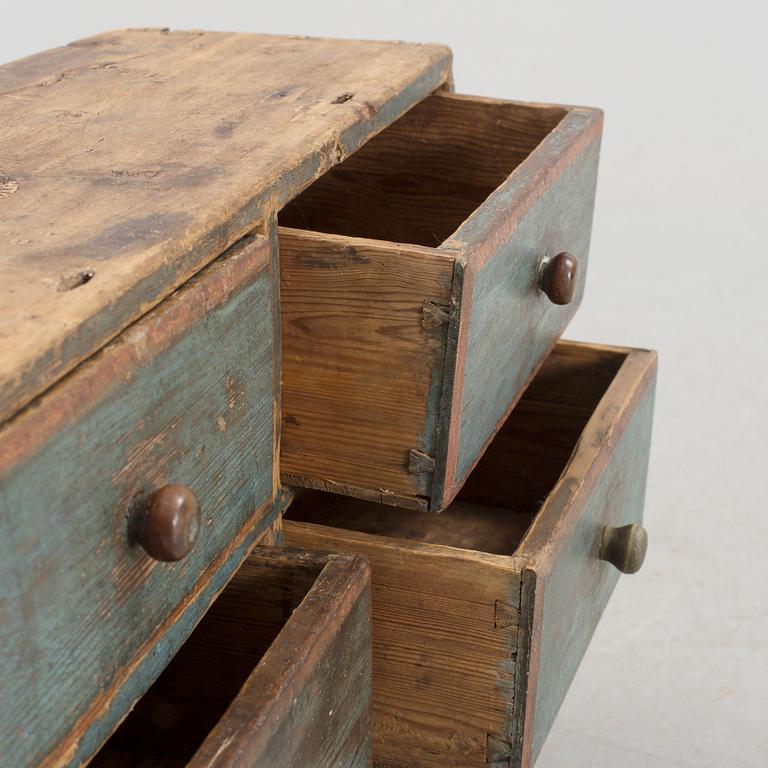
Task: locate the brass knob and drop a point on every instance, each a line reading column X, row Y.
column 625, row 547
column 168, row 524
column 558, row 276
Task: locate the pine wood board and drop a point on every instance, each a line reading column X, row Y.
column 363, row 351
column 131, row 159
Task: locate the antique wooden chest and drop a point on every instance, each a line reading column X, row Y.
column 142, row 171
column 238, row 269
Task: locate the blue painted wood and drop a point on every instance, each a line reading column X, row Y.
column 482, row 614
column 511, row 325
column 184, row 396
column 566, row 587
column 158, row 654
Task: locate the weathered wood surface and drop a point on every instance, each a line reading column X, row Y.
column 131, row 159
column 277, row 675
column 186, row 395
column 494, row 187
column 479, row 622
column 566, row 586
column 363, row 352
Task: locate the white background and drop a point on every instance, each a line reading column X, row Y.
column 677, row 674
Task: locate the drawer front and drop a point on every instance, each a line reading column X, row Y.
column 185, row 396
column 566, row 584
column 482, row 614
column 508, row 324
column 276, row 675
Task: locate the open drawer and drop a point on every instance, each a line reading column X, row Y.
column 482, row 614
column 276, row 675
column 423, row 281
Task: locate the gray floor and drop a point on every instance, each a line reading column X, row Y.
column 677, row 674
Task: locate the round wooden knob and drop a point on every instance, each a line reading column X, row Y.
column 558, row 276
column 625, row 547
column 167, row 526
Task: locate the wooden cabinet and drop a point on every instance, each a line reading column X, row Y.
column 276, row 675
column 482, row 614
column 234, row 261
column 423, row 282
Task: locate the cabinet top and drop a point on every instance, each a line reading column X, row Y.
column 131, row 159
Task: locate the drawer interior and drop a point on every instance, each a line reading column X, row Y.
column 172, row 720
column 523, row 463
column 418, row 180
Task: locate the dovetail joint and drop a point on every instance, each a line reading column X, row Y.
column 434, row 315
column 420, row 463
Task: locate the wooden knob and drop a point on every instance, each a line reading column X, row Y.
column 167, row 526
column 558, row 276
column 625, row 547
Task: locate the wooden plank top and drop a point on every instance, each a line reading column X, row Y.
column 131, row 159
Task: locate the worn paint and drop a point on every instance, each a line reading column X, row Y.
column 473, row 652
column 565, row 585
column 107, row 712
column 78, row 602
column 512, row 325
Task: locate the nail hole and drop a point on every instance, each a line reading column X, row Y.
column 341, row 99
column 7, row 185
column 70, row 282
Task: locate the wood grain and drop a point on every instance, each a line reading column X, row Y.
column 443, row 667
column 509, row 325
column 183, row 396
column 482, row 614
column 418, row 180
column 133, row 158
column 363, row 354
column 277, row 674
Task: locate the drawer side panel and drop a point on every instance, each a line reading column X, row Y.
column 444, row 639
column 363, row 331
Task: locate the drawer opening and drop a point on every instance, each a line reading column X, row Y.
column 503, row 494
column 172, row 720
column 422, row 176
